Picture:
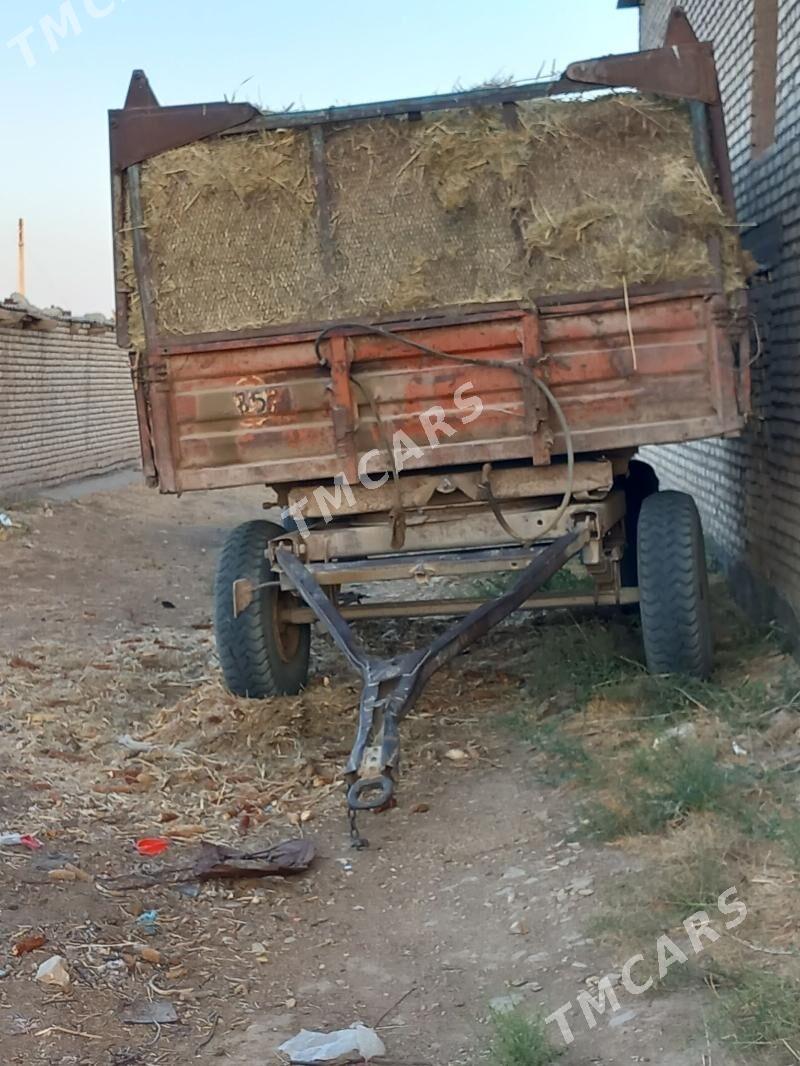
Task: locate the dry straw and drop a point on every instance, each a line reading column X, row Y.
column 455, row 209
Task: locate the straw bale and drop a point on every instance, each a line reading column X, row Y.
column 457, row 208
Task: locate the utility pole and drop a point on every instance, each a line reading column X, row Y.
column 21, row 258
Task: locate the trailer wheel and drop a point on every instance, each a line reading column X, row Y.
column 673, row 586
column 260, row 656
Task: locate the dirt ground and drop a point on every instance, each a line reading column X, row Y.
column 475, row 887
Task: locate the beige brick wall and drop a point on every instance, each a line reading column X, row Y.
column 66, row 405
column 748, row 489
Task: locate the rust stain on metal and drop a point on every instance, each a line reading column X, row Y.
column 536, row 408
column 343, row 402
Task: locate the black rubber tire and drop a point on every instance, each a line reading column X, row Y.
column 257, row 658
column 673, row 587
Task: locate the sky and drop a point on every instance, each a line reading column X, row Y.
column 64, row 63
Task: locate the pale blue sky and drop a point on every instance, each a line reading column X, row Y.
column 57, row 88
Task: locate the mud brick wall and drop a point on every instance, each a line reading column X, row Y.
column 748, row 489
column 66, row 405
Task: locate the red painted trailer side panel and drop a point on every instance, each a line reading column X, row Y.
column 265, row 411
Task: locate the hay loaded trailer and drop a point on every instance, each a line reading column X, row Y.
column 438, row 329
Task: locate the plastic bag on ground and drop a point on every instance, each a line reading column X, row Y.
column 338, row 1046
column 12, row 840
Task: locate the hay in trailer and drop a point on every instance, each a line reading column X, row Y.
column 599, row 190
column 232, row 232
column 460, row 207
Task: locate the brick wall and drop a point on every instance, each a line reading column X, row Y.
column 748, row 489
column 66, row 404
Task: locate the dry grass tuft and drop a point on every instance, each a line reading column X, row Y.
column 521, row 1041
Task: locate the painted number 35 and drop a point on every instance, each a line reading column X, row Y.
column 255, row 401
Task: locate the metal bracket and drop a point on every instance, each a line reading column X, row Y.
column 143, row 129
column 685, row 71
column 244, row 593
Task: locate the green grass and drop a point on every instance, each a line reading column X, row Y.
column 668, row 700
column 576, row 661
column 685, row 777
column 567, row 756
column 661, row 787
column 761, row 1011
column 692, row 886
column 658, row 900
column 648, row 904
column 776, row 818
column 719, row 812
column 565, row 664
column 493, row 585
column 789, row 835
column 521, row 1041
column 567, row 580
column 572, row 662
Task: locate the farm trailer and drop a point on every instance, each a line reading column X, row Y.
column 439, row 329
